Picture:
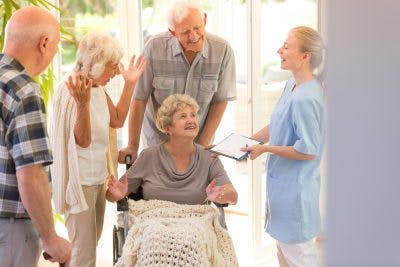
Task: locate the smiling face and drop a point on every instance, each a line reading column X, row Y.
column 191, row 31
column 184, row 123
column 110, row 70
column 292, row 57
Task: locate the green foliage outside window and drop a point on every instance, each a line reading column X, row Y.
column 147, row 3
column 7, row 8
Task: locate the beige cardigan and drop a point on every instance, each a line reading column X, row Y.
column 66, row 187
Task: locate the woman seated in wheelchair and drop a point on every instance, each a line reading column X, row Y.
column 178, row 170
column 163, row 232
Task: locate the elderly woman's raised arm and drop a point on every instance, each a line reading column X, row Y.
column 131, row 74
column 79, row 88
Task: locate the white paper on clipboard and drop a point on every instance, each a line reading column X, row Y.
column 231, row 145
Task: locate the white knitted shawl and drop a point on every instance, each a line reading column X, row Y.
column 164, row 233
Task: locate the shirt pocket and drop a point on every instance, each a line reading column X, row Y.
column 163, row 87
column 284, row 197
column 208, row 87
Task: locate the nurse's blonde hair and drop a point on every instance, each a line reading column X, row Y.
column 311, row 42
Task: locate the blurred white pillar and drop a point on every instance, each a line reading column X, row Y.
column 130, row 26
column 363, row 92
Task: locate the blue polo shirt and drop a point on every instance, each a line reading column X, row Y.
column 293, row 185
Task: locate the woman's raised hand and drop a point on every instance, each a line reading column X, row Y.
column 116, row 190
column 79, row 88
column 135, row 68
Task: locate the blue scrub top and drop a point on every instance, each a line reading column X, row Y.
column 293, row 185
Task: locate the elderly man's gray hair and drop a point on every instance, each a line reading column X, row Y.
column 180, row 9
column 95, row 50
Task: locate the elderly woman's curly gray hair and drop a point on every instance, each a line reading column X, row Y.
column 95, row 50
column 169, row 106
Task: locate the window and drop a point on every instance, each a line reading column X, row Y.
column 80, row 17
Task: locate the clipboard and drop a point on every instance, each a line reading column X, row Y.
column 230, row 146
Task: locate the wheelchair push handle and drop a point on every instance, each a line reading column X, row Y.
column 47, row 256
column 128, row 161
column 122, row 205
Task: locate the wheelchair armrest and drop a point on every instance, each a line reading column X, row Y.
column 138, row 195
column 122, row 205
column 222, row 205
column 218, row 205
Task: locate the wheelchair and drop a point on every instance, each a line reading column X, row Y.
column 120, row 233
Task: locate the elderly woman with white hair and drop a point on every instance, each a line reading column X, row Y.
column 83, row 112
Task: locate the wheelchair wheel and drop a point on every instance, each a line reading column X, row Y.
column 118, row 242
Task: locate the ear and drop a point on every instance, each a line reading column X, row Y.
column 205, row 19
column 307, row 56
column 166, row 130
column 43, row 43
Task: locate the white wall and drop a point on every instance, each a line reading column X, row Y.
column 363, row 92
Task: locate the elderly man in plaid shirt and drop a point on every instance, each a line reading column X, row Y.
column 32, row 37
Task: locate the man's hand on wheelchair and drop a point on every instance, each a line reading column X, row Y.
column 116, row 189
column 129, row 150
column 213, row 155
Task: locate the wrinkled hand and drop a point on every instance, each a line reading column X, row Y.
column 117, row 189
column 129, row 150
column 79, row 88
column 214, row 192
column 134, row 69
column 57, row 248
column 254, row 151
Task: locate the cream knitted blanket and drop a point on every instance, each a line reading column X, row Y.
column 164, row 233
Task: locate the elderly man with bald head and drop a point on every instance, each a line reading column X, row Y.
column 32, row 37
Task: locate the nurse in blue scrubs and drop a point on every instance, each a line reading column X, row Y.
column 294, row 142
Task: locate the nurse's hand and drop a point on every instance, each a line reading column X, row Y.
column 254, row 151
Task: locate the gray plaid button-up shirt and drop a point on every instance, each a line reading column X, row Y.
column 23, row 136
column 211, row 77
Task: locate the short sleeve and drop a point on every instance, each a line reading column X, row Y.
column 136, row 173
column 27, row 134
column 218, row 173
column 144, row 86
column 307, row 119
column 226, row 90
